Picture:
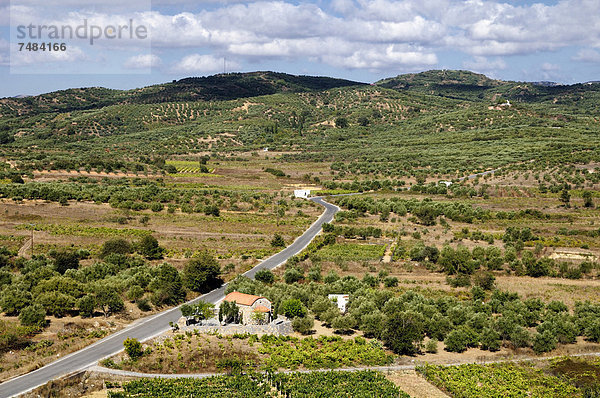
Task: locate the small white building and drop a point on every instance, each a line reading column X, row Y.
column 446, row 183
column 341, row 300
column 302, row 193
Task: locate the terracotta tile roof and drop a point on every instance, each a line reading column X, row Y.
column 261, row 308
column 241, row 298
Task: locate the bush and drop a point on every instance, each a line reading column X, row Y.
column 592, row 331
column 431, row 346
column 144, row 304
column 202, row 274
column 167, row 286
column 33, row 315
column 404, row 333
column 520, row 337
column 277, row 241
column 490, row 340
column 156, row 207
column 229, row 312
column 485, row 280
column 390, row 281
column 87, row 305
column 133, row 348
column 134, row 293
column 13, row 299
column 457, row 341
column 149, row 248
column 56, row 303
column 544, row 342
column 265, row 276
column 343, row 324
column 292, row 275
column 109, row 300
column 460, row 280
column 64, row 260
column 341, row 122
column 117, row 245
column 303, row 325
column 370, row 280
column 293, row 308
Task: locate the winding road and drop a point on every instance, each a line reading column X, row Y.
column 152, row 326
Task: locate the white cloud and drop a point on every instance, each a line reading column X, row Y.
column 370, row 34
column 72, row 54
column 143, row 61
column 203, row 64
column 587, row 55
column 484, row 65
column 381, row 59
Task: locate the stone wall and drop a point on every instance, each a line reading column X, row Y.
column 278, row 328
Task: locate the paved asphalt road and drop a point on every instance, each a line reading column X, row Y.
column 152, row 326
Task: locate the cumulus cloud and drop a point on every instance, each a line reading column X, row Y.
column 23, row 58
column 357, row 34
column 381, row 58
column 484, row 65
column 203, row 64
column 143, row 61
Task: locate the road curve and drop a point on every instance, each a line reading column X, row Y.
column 147, row 328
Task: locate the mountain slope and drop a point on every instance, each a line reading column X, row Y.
column 212, row 88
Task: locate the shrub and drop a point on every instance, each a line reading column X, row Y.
column 343, row 323
column 87, row 305
column 457, row 340
column 149, row 248
column 144, row 304
column 341, row 122
column 33, row 315
column 592, row 331
column 167, row 286
column 277, row 241
column 265, row 276
column 404, row 333
column 485, row 280
column 202, row 274
column 229, row 312
column 109, row 300
column 460, row 280
column 56, row 303
column 64, row 260
column 134, row 293
column 431, row 346
column 117, row 245
column 133, row 348
column 490, row 340
column 390, row 281
column 303, row 325
column 292, row 308
column 520, row 337
column 370, row 280
column 292, row 275
column 156, row 207
column 544, row 342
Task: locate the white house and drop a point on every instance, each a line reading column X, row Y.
column 302, row 193
column 250, row 307
column 341, row 300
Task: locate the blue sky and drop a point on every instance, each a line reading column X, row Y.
column 363, row 40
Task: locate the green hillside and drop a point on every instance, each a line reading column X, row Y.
column 434, row 123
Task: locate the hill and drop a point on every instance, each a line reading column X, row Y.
column 212, row 88
column 435, row 122
column 469, row 86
